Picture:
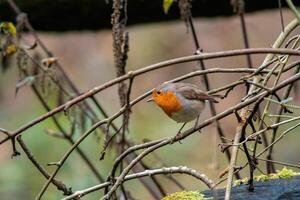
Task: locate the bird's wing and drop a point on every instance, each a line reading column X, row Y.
column 190, row 91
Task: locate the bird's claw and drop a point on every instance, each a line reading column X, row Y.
column 177, row 136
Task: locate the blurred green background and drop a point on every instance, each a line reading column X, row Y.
column 88, row 59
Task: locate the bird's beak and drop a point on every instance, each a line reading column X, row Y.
column 149, row 100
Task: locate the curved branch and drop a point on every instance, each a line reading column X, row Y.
column 95, row 90
column 166, row 170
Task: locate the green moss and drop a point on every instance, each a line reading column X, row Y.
column 261, row 177
column 186, row 195
column 281, row 174
column 286, row 173
column 241, row 181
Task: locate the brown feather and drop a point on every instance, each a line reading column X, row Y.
column 191, row 92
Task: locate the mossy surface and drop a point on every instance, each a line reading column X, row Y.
column 281, row 174
column 186, row 195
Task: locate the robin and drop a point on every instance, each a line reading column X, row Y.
column 183, row 102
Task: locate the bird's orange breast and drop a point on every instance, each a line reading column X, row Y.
column 168, row 101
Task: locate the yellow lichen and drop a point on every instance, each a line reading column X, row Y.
column 186, row 195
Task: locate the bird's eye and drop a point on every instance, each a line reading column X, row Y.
column 158, row 92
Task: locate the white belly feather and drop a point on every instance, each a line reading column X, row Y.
column 190, row 111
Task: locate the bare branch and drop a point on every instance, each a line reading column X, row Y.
column 59, row 184
column 166, row 170
column 97, row 89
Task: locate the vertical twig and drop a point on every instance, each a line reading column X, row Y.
column 207, row 87
column 121, row 48
column 241, row 13
column 281, row 15
column 240, row 131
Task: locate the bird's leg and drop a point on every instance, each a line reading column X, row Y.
column 178, row 134
column 196, row 123
column 181, row 129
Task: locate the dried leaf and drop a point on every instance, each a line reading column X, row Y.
column 166, row 5
column 49, row 61
column 10, row 50
column 8, row 27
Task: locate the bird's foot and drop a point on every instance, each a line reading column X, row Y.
column 177, row 136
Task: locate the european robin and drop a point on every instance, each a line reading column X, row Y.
column 183, row 102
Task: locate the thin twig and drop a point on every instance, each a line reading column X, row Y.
column 281, row 15
column 280, row 163
column 279, row 138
